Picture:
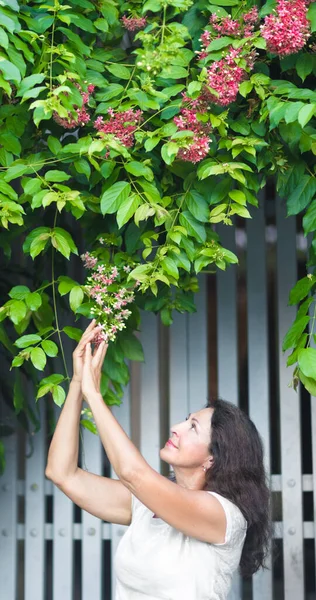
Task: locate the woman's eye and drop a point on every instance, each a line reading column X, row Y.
column 193, row 425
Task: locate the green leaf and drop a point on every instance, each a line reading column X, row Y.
column 31, row 186
column 17, row 361
column 65, row 284
column 56, row 176
column 304, row 65
column 27, row 340
column 59, row 395
column 114, row 196
column 294, row 333
column 64, row 240
column 78, row 20
column 301, row 195
column 225, row 2
column 174, row 72
column 245, row 88
column 76, row 297
column 29, row 82
column 9, row 71
column 139, row 170
column 73, row 333
column 309, row 220
column 53, row 379
column 311, row 15
column 309, row 383
column 306, row 113
column 143, row 213
column 219, row 43
column 19, row 292
column 89, row 426
column 15, row 171
column 307, row 362
column 127, row 209
column 301, row 289
column 54, row 144
column 60, row 243
column 38, row 358
column 43, row 390
column 17, row 311
column 197, row 206
column 119, row 71
column 170, row 267
column 85, row 309
column 49, row 347
column 4, row 40
column 193, row 227
column 131, row 346
column 238, row 196
column 33, row 301
column 292, row 110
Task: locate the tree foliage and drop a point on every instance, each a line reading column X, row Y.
column 117, row 124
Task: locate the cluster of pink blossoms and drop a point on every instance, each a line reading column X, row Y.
column 133, row 23
column 110, row 305
column 287, row 30
column 224, row 76
column 243, row 27
column 199, row 145
column 83, row 116
column 120, row 124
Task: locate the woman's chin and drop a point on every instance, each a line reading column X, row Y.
column 164, row 454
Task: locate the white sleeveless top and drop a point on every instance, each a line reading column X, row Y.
column 154, row 561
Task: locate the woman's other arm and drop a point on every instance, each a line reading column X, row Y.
column 105, row 498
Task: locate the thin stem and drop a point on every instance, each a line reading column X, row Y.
column 51, row 52
column 55, row 306
column 163, row 24
column 312, row 329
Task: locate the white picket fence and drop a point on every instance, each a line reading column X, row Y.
column 38, row 559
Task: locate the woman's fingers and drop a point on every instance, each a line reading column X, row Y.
column 89, row 334
column 99, row 355
column 83, row 342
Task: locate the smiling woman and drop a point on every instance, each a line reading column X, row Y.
column 188, row 536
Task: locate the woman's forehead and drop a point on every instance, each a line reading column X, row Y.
column 203, row 416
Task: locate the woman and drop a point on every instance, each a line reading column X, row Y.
column 188, row 536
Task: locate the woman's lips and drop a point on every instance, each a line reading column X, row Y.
column 170, row 443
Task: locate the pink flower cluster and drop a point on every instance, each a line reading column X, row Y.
column 133, row 23
column 83, row 116
column 287, row 29
column 199, row 144
column 243, row 27
column 104, row 287
column 224, row 76
column 120, row 124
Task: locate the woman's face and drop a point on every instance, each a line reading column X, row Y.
column 190, row 441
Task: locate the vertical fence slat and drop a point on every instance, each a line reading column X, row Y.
column 92, row 526
column 122, row 414
column 290, row 415
column 197, row 351
column 149, row 392
column 34, row 563
column 178, row 369
column 62, row 542
column 258, row 365
column 227, row 342
column 227, row 323
column 8, row 520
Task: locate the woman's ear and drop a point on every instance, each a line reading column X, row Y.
column 210, row 461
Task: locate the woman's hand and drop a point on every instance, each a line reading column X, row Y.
column 92, row 367
column 78, row 355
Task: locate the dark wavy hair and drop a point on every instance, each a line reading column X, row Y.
column 238, row 474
